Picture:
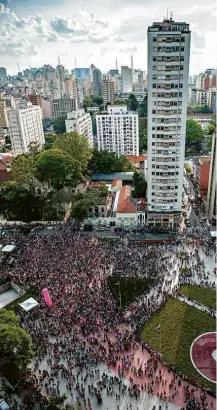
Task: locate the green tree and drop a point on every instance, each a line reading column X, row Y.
column 120, row 102
column 59, row 125
column 97, row 99
column 49, row 140
column 103, row 190
column 82, row 203
column 15, row 346
column 34, row 147
column 108, row 162
column 88, row 102
column 132, row 103
column 194, row 133
column 188, row 168
column 22, row 168
column 143, row 108
column 140, row 185
column 143, row 138
column 8, row 318
column 22, row 201
column 57, row 169
column 7, row 140
column 76, row 146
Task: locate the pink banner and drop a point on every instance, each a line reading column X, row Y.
column 47, row 297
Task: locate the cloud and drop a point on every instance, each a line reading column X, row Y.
column 17, row 47
column 67, row 26
column 128, row 50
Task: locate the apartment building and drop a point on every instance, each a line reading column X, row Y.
column 61, row 106
column 108, row 90
column 3, row 118
column 25, row 126
column 118, row 131
column 81, row 122
column 211, row 195
column 168, row 70
column 202, row 176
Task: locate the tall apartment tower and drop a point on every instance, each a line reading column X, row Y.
column 108, row 90
column 25, row 126
column 211, row 195
column 168, row 71
column 118, row 131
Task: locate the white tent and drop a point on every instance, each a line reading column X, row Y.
column 29, row 304
column 8, row 248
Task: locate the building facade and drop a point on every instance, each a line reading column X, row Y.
column 126, row 80
column 118, row 131
column 25, row 126
column 81, row 122
column 211, row 195
column 97, row 81
column 61, row 106
column 202, row 176
column 108, row 90
column 3, row 76
column 168, row 70
column 3, row 118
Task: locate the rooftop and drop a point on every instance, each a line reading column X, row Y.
column 136, row 159
column 125, row 204
column 124, row 176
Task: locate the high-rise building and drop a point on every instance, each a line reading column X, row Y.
column 168, row 70
column 47, row 107
column 202, row 97
column 192, row 96
column 3, row 76
column 108, row 90
column 81, row 122
column 3, row 117
column 113, row 72
column 118, row 131
column 70, row 86
column 97, row 81
column 127, row 80
column 211, row 99
column 211, row 195
column 82, row 74
column 25, row 126
column 34, row 98
column 61, row 106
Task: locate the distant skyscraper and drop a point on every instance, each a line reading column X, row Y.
column 3, row 76
column 168, row 68
column 97, row 81
column 82, row 74
column 114, row 72
column 127, row 79
column 108, row 89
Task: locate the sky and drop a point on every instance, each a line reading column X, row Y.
column 97, row 32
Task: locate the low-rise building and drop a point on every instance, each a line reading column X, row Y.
column 202, row 176
column 81, row 122
column 203, row 119
column 211, row 195
column 5, row 166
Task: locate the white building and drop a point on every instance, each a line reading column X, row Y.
column 211, row 195
column 202, row 97
column 118, row 131
column 203, row 119
column 211, row 99
column 168, row 67
column 25, row 126
column 192, row 96
column 127, row 79
column 81, row 122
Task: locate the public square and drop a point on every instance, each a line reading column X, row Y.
column 86, row 347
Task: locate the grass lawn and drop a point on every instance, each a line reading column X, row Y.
column 203, row 295
column 179, row 324
column 130, row 288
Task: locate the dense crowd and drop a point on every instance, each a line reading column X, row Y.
column 84, row 329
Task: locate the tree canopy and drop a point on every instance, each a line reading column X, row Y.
column 49, row 140
column 140, row 185
column 15, row 343
column 57, row 168
column 59, row 125
column 75, row 145
column 132, row 103
column 108, row 162
column 23, row 167
column 143, row 137
column 198, row 109
column 194, row 133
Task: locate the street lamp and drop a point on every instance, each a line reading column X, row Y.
column 118, row 283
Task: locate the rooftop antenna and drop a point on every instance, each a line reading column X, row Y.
column 18, row 65
column 167, row 14
column 171, row 16
column 116, row 63
column 58, row 59
column 75, row 63
column 131, row 62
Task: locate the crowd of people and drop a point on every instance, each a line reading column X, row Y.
column 85, row 346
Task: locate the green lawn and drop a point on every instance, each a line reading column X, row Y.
column 179, row 324
column 130, row 288
column 203, row 295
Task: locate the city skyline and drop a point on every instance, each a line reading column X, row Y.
column 35, row 32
